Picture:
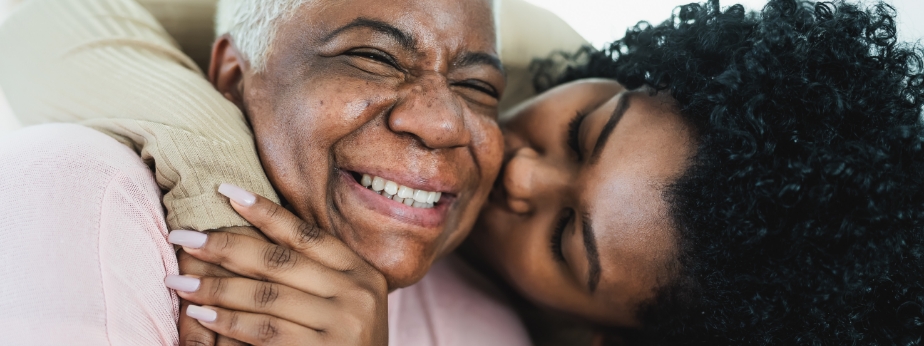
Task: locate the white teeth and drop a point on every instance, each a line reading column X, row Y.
column 367, row 180
column 401, row 194
column 378, row 184
column 405, row 192
column 421, row 196
column 391, row 188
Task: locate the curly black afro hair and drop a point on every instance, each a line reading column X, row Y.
column 802, row 213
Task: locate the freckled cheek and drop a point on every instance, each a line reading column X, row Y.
column 488, row 147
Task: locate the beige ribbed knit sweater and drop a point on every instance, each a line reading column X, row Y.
column 110, row 65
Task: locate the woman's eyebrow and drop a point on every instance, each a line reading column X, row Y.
column 405, row 39
column 481, row 58
column 593, row 257
column 621, row 106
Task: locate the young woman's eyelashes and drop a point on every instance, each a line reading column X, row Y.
column 566, row 218
column 573, row 132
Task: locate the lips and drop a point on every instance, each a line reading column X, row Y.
column 418, row 206
column 417, row 198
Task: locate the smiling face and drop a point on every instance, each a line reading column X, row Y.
column 402, row 91
column 577, row 222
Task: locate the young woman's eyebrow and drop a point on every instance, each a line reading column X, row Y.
column 621, row 106
column 593, row 257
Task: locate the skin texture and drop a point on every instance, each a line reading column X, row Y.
column 419, row 110
column 619, row 192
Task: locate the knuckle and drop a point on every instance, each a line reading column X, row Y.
column 272, row 211
column 198, row 339
column 267, row 331
column 375, row 280
column 197, row 267
column 217, row 288
column 234, row 323
column 307, row 233
column 278, row 258
column 365, row 298
column 352, row 325
column 266, row 294
column 369, row 279
column 226, row 341
column 224, row 241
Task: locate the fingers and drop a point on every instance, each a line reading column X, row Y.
column 264, row 261
column 191, row 332
column 243, row 230
column 223, row 340
column 190, row 265
column 285, row 228
column 256, row 297
column 251, row 328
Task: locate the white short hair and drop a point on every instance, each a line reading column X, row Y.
column 252, row 24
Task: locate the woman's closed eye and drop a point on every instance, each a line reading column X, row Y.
column 477, row 91
column 567, row 218
column 375, row 57
column 573, row 134
column 480, row 87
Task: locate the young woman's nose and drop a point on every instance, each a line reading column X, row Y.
column 429, row 111
column 530, row 181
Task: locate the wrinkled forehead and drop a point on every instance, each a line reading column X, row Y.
column 254, row 24
column 443, row 22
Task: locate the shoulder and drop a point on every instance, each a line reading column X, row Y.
column 71, row 160
column 66, row 147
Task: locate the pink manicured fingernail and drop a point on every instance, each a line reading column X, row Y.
column 182, row 283
column 237, row 194
column 190, row 239
column 202, row 314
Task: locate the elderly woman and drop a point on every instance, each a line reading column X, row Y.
column 747, row 179
column 356, row 107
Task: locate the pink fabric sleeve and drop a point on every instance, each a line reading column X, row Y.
column 83, row 249
column 453, row 306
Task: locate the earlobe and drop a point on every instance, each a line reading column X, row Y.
column 226, row 71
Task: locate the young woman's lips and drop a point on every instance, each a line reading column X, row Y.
column 432, row 218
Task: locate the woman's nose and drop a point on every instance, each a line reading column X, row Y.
column 529, row 181
column 430, row 112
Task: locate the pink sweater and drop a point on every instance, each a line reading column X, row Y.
column 84, row 254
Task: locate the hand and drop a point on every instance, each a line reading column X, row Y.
column 192, row 333
column 309, row 289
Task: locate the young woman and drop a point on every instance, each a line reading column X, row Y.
column 759, row 183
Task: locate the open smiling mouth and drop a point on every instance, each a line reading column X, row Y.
column 399, row 193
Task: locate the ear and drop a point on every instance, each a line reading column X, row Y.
column 226, row 71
